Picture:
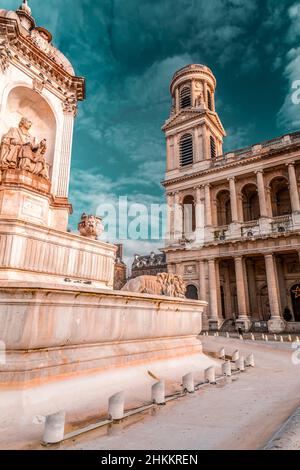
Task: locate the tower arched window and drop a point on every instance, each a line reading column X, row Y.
column 186, row 150
column 213, row 147
column 185, row 97
column 209, row 100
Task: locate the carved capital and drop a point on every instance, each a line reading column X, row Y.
column 4, row 55
column 69, row 105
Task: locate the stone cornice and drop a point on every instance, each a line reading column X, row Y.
column 24, row 51
column 188, row 115
column 233, row 164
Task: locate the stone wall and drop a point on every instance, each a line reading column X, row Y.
column 50, row 332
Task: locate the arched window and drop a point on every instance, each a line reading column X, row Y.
column 281, row 202
column 251, row 209
column 186, row 150
column 189, row 216
column 213, row 148
column 191, row 292
column 185, row 97
column 209, row 100
column 223, row 208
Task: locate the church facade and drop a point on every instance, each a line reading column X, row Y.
column 234, row 218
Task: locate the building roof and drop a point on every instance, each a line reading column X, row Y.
column 151, row 260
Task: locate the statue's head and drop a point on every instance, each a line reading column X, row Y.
column 26, row 123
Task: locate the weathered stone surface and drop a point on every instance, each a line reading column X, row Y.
column 161, row 284
column 53, row 332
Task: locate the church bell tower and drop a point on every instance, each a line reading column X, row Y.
column 194, row 132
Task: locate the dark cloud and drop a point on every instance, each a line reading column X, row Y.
column 128, row 51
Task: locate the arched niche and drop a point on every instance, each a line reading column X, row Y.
column 25, row 102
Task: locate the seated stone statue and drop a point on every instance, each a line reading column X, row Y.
column 20, row 150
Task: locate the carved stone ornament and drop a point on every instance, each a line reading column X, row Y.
column 166, row 284
column 38, row 85
column 90, row 226
column 20, row 151
column 4, row 55
column 70, row 105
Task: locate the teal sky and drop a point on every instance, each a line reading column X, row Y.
column 128, row 51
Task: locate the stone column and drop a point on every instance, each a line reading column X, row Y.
column 262, row 194
column 208, row 218
column 169, row 163
column 200, row 222
column 243, row 319
column 66, row 150
column 233, row 199
column 206, row 152
column 193, row 93
column 177, row 104
column 213, row 296
column 276, row 324
column 178, row 217
column 170, row 218
column 203, row 291
column 294, row 193
column 252, row 288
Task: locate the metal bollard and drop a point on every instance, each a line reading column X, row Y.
column 235, row 356
column 222, row 353
column 281, row 339
column 249, row 362
column 262, row 336
column 54, row 428
column 188, row 383
column 116, row 405
column 210, row 375
column 240, row 364
column 226, row 368
column 275, row 337
column 297, row 339
column 158, row 393
column 227, row 335
column 266, row 338
column 252, row 337
column 241, row 337
column 290, row 338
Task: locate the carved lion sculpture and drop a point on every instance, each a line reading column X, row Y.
column 162, row 284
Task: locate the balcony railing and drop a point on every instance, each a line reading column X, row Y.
column 252, row 151
column 253, row 229
column 282, row 224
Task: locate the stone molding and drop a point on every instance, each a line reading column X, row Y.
column 22, row 51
